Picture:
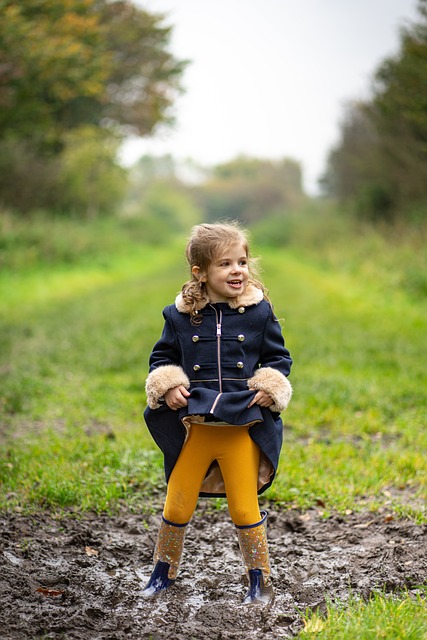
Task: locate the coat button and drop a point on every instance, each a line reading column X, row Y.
column 195, row 338
column 239, row 365
column 241, row 309
column 196, row 367
column 241, row 337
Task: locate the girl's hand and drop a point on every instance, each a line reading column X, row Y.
column 176, row 398
column 262, row 399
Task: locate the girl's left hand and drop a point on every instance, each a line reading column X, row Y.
column 262, row 399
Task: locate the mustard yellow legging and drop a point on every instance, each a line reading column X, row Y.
column 238, row 457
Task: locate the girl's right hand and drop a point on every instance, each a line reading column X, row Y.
column 176, row 398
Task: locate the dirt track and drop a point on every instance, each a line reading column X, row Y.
column 89, row 573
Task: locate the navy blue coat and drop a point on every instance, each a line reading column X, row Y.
column 237, row 347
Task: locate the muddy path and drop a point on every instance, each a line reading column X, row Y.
column 67, row 578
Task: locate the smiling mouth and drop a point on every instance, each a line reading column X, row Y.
column 235, row 283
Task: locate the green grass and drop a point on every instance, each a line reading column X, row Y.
column 383, row 617
column 76, row 334
column 73, row 363
column 356, row 425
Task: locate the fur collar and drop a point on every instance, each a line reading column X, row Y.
column 252, row 295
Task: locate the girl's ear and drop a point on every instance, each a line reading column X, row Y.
column 196, row 273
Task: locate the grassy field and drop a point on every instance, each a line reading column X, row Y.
column 81, row 308
column 76, row 334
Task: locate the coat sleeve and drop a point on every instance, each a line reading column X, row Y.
column 274, row 366
column 165, row 370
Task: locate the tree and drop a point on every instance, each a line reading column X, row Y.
column 90, row 180
column 144, row 79
column 358, row 169
column 380, row 162
column 66, row 63
column 69, row 66
column 399, row 111
column 52, row 57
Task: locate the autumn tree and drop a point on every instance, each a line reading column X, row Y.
column 72, row 62
column 52, row 61
column 68, row 64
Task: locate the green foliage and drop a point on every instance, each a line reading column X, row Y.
column 52, row 55
column 69, row 72
column 390, row 257
column 91, row 181
column 82, row 179
column 380, row 163
column 144, row 79
column 59, row 241
column 359, row 169
column 75, row 62
column 401, row 105
column 28, row 178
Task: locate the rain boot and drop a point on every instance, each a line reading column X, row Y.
column 167, row 556
column 254, row 548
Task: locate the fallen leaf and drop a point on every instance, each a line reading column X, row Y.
column 364, row 525
column 91, row 552
column 305, row 517
column 388, row 518
column 50, row 592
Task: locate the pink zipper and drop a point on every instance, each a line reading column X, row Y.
column 215, row 403
column 218, row 346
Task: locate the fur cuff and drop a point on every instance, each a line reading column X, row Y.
column 275, row 384
column 161, row 380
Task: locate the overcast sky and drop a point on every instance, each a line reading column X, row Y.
column 269, row 78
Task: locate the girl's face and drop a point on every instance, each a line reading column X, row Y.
column 227, row 275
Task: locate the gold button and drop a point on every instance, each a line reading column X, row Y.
column 196, row 367
column 195, row 338
column 240, row 365
column 241, row 309
column 241, row 337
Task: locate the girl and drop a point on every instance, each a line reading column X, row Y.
column 215, row 390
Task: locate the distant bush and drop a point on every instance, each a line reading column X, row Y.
column 392, row 255
column 47, row 239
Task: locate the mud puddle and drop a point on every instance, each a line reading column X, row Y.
column 82, row 579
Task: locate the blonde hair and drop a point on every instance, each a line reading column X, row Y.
column 206, row 243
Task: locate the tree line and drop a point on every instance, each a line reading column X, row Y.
column 78, row 76
column 379, row 165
